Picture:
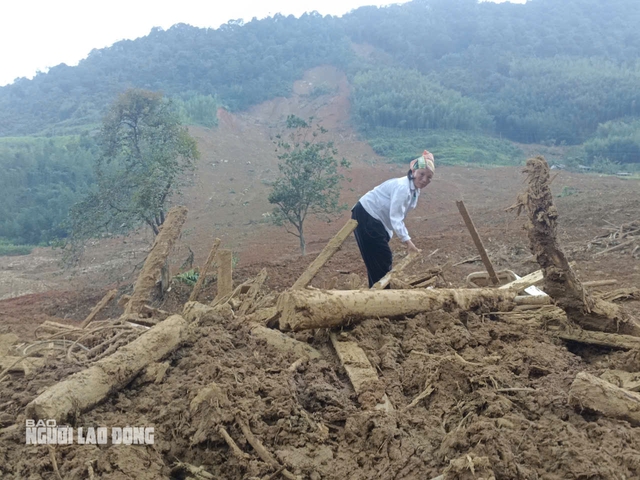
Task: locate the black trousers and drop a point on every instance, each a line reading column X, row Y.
column 373, row 242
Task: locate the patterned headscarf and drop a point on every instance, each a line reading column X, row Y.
column 425, row 161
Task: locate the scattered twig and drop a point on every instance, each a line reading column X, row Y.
column 232, row 444
column 52, row 456
column 425, row 393
column 468, row 260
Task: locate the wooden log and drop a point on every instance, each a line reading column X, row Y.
column 156, row 259
column 594, row 394
column 478, row 242
column 359, row 369
column 599, row 283
column 225, row 273
column 307, row 309
column 402, row 264
column 83, row 390
column 111, row 294
column 533, row 300
column 205, row 314
column 284, row 343
column 601, row 339
column 203, row 273
column 327, row 252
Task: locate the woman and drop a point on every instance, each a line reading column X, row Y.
column 381, row 212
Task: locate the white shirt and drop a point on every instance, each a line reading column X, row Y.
column 390, row 202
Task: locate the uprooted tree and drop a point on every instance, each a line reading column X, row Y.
column 309, row 182
column 560, row 281
column 145, row 154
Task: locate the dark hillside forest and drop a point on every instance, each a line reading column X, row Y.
column 555, row 72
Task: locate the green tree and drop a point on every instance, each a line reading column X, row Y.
column 145, row 154
column 309, row 182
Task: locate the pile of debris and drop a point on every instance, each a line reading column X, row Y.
column 409, row 381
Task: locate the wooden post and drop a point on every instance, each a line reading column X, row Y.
column 225, row 276
column 98, row 308
column 327, row 252
column 476, row 239
column 203, row 273
column 404, row 263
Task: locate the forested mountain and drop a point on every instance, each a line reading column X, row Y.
column 549, row 71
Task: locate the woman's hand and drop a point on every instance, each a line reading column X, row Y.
column 411, row 248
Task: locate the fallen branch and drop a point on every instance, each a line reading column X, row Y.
column 111, row 294
column 284, row 343
column 249, row 300
column 262, row 452
column 198, row 472
column 617, row 247
column 233, row 446
column 425, row 393
column 599, row 283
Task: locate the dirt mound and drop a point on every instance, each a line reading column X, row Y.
column 497, row 409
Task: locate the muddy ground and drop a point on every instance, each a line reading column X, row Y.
column 472, row 425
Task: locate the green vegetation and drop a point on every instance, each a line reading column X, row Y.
column 393, row 97
column 8, row 249
column 145, row 154
column 461, row 77
column 309, row 182
column 41, row 178
column 448, row 147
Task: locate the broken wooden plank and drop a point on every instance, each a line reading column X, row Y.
column 111, row 294
column 307, row 309
column 156, row 259
column 225, row 273
column 359, row 369
column 601, row 339
column 594, row 394
column 402, row 264
column 478, row 242
column 327, row 252
column 203, row 273
column 83, row 390
column 527, row 281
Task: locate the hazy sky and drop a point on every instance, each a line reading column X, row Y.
column 38, row 34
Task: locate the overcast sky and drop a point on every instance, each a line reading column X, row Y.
column 38, row 34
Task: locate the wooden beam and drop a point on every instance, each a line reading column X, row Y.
column 225, row 273
column 203, row 273
column 476, row 239
column 359, row 369
column 327, row 252
column 524, row 282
